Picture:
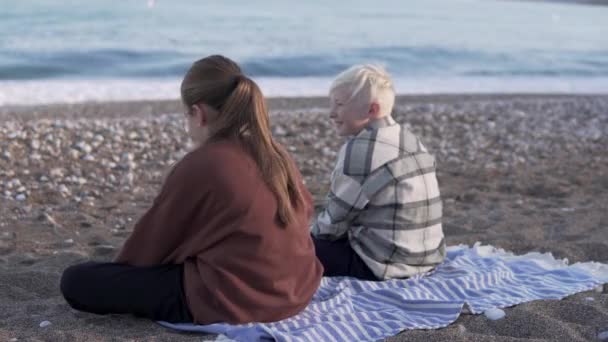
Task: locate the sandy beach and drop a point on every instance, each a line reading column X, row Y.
column 521, row 172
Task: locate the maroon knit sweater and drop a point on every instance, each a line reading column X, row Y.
column 216, row 215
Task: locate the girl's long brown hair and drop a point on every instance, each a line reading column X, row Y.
column 218, row 82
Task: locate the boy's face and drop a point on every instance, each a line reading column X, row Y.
column 350, row 115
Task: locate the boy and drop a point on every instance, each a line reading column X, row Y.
column 383, row 214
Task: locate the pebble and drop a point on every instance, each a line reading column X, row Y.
column 6, row 247
column 21, row 197
column 589, row 299
column 45, row 324
column 13, row 183
column 56, row 173
column 28, row 259
column 280, row 131
column 328, row 152
column 46, row 217
column 74, row 154
column 84, row 147
column 120, row 232
column 127, row 156
column 129, row 178
column 494, row 314
column 8, row 236
column 35, row 144
column 603, row 336
column 103, row 250
column 85, row 224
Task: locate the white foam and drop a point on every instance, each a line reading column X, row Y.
column 74, row 91
column 464, row 85
column 101, row 90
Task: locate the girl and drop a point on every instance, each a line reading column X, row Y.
column 227, row 238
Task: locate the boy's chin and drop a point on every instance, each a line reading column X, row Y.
column 342, row 133
column 346, row 132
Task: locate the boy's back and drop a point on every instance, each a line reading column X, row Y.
column 385, row 197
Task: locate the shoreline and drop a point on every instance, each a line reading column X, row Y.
column 109, row 109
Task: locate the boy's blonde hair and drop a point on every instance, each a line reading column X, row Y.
column 368, row 80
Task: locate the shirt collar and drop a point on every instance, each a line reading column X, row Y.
column 381, row 122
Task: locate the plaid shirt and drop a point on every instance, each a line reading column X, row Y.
column 384, row 196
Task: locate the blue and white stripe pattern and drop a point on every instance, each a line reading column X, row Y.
column 482, row 277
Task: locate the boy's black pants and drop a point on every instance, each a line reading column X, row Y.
column 339, row 259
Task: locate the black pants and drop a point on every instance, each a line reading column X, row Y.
column 154, row 292
column 339, row 259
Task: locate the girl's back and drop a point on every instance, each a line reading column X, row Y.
column 245, row 266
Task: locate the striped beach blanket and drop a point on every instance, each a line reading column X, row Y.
column 472, row 279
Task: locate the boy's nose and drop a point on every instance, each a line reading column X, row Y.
column 332, row 114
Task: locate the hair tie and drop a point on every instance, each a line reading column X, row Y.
column 240, row 78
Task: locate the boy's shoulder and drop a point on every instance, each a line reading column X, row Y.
column 364, row 152
column 378, row 140
column 372, row 148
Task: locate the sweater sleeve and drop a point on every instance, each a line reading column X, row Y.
column 165, row 225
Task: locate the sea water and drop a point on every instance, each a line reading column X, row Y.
column 71, row 51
